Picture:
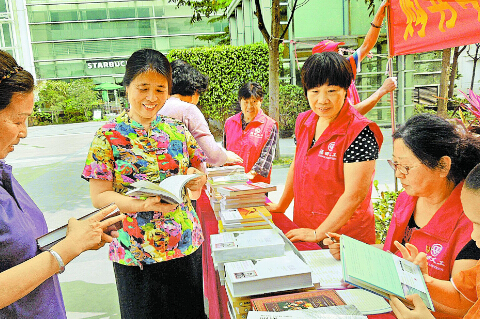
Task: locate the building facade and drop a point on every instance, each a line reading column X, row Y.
column 93, row 38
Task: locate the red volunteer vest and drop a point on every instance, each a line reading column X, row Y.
column 319, row 177
column 248, row 144
column 441, row 239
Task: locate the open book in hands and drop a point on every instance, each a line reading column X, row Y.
column 381, row 272
column 171, row 189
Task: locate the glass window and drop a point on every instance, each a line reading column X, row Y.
column 3, row 6
column 67, row 50
column 40, row 32
column 121, row 13
column 7, row 35
column 38, row 14
column 144, row 12
column 97, row 14
column 66, row 15
column 42, row 51
column 46, row 70
column 182, row 42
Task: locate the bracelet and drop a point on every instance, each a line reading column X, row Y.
column 315, row 234
column 376, row 26
column 59, row 259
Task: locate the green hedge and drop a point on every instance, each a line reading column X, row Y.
column 228, row 68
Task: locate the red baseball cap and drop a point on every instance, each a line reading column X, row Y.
column 326, row 46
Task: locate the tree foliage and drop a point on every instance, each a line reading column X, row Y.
column 228, row 67
column 67, row 102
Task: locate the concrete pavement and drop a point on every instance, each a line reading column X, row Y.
column 48, row 164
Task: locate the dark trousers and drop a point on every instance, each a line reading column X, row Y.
column 170, row 289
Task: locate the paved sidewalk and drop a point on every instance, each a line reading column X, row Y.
column 48, row 164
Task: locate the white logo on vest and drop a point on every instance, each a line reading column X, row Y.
column 436, row 249
column 330, row 155
column 257, row 132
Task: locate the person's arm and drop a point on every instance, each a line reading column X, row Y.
column 264, row 163
column 401, row 311
column 358, row 177
column 83, row 235
column 446, row 298
column 198, row 126
column 369, row 103
column 287, row 195
column 372, row 35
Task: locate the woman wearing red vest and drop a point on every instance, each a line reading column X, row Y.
column 331, row 175
column 252, row 134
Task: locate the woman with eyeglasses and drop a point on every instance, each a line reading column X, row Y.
column 431, row 159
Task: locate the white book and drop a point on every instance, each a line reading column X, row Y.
column 171, row 189
column 326, row 270
column 244, row 214
column 366, row 302
column 335, row 312
column 225, row 170
column 242, row 245
column 260, row 276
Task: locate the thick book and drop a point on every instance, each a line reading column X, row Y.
column 297, row 301
column 334, row 312
column 232, row 179
column 381, row 272
column 46, row 241
column 243, row 226
column 260, row 276
column 253, row 244
column 171, row 189
column 250, row 188
column 225, row 170
column 244, row 214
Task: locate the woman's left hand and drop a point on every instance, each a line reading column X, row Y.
column 195, row 186
column 301, row 234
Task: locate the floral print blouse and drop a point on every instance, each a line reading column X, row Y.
column 122, row 151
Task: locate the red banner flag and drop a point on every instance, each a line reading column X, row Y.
column 426, row 25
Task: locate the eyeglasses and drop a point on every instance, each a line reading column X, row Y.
column 401, row 168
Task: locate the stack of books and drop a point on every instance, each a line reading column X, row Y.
column 267, row 275
column 225, row 170
column 246, row 218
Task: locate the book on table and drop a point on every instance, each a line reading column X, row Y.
column 259, row 276
column 242, row 245
column 244, row 214
column 46, row 241
column 225, row 170
column 326, row 270
column 334, row 312
column 381, row 272
column 297, row 301
column 232, row 179
column 171, row 189
column 250, row 188
column 242, row 201
column 244, row 226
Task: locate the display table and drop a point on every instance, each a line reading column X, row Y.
column 214, row 291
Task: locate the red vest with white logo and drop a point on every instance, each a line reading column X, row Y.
column 319, row 176
column 248, row 144
column 441, row 239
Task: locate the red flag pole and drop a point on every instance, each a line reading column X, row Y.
column 390, row 74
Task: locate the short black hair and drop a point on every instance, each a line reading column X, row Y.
column 250, row 89
column 430, row 137
column 326, row 68
column 145, row 60
column 472, row 182
column 187, row 80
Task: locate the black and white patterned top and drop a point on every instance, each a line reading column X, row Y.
column 364, row 148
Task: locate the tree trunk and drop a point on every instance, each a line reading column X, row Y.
column 453, row 71
column 442, row 101
column 475, row 60
column 274, row 68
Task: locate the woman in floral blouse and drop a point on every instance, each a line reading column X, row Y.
column 157, row 260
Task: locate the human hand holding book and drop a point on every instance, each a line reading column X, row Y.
column 419, row 311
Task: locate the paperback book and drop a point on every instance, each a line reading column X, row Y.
column 260, row 276
column 250, row 188
column 244, row 214
column 225, row 170
column 253, row 244
column 171, row 189
column 297, row 301
column 380, row 272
